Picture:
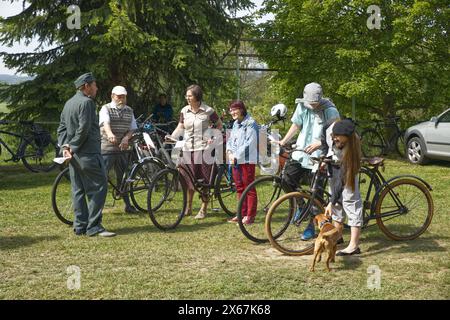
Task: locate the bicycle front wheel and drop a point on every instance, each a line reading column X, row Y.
column 371, row 143
column 225, row 190
column 167, row 199
column 281, row 216
column 39, row 158
column 141, row 177
column 62, row 202
column 264, row 191
column 404, row 209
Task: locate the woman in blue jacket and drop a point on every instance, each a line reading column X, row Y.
column 242, row 152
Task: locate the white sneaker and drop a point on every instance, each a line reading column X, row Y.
column 106, row 234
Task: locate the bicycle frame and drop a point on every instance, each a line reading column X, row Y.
column 197, row 184
column 387, row 143
column 376, row 174
column 15, row 156
column 314, row 191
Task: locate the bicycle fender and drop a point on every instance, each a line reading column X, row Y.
column 146, row 159
column 411, row 176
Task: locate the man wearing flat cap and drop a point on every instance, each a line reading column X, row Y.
column 117, row 124
column 79, row 137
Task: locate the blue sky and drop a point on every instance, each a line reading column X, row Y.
column 9, row 9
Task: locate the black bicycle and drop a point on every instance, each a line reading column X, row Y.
column 36, row 147
column 402, row 207
column 135, row 182
column 374, row 144
column 174, row 195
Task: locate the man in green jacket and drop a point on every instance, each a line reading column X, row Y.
column 79, row 137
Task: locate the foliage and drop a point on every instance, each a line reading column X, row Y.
column 400, row 69
column 148, row 46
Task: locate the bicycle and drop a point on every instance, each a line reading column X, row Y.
column 174, row 194
column 135, row 182
column 36, row 148
column 153, row 145
column 374, row 144
column 399, row 198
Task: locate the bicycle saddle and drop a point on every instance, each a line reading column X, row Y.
column 375, row 161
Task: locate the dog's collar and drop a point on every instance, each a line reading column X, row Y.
column 324, row 223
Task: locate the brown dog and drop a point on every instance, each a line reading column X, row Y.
column 327, row 240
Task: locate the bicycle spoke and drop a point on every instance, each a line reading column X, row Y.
column 414, row 205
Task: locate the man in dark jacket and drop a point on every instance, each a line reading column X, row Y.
column 79, row 137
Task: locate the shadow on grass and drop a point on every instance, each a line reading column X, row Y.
column 380, row 245
column 440, row 163
column 15, row 242
column 16, row 177
column 150, row 228
column 197, row 226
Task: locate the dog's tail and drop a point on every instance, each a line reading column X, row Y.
column 329, row 233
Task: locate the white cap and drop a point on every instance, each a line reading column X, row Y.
column 312, row 93
column 119, row 90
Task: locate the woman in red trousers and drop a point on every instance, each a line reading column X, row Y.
column 242, row 152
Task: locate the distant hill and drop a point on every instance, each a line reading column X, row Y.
column 12, row 79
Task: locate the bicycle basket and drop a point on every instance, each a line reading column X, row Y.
column 42, row 137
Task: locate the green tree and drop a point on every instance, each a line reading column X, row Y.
column 148, row 46
column 402, row 68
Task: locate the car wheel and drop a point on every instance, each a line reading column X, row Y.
column 416, row 151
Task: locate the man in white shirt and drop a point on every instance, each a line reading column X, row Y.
column 117, row 124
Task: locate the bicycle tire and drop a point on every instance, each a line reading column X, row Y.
column 256, row 231
column 62, row 202
column 225, row 191
column 140, row 180
column 165, row 191
column 393, row 231
column 371, row 143
column 37, row 159
column 289, row 242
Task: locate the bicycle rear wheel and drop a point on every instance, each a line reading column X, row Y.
column 167, row 199
column 281, row 216
column 404, row 209
column 268, row 189
column 62, row 202
column 39, row 158
column 371, row 143
column 225, row 190
column 141, row 177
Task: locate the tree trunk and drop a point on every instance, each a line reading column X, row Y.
column 389, row 129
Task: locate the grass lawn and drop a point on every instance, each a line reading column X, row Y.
column 207, row 259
